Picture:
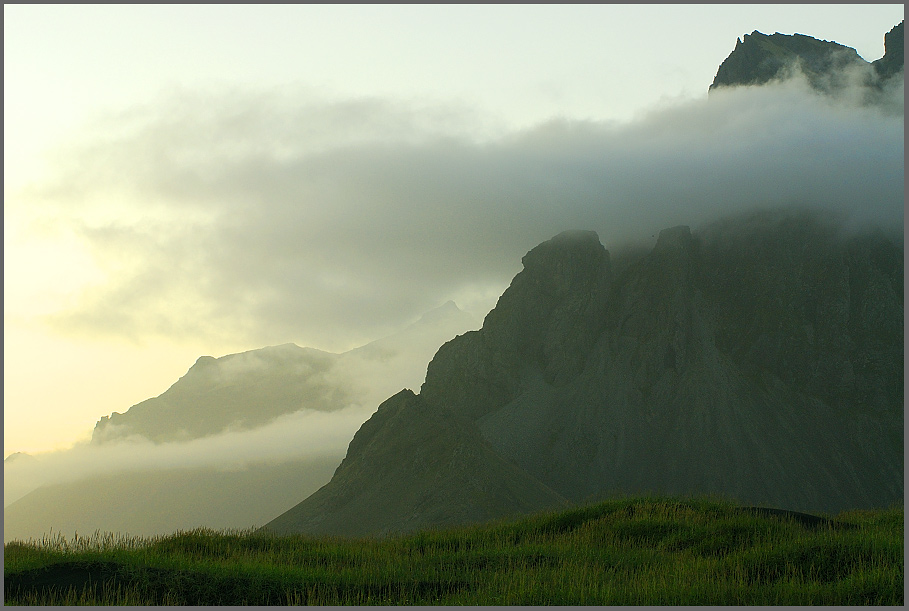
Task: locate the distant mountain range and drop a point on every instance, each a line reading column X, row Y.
column 250, row 389
column 237, row 392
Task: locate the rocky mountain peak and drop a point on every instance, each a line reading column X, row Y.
column 760, row 58
column 540, row 321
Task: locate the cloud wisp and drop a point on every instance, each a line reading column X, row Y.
column 304, row 434
column 278, row 217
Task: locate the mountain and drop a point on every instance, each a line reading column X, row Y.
column 243, row 390
column 250, row 389
column 891, row 63
column 760, row 358
column 431, row 462
column 18, row 456
column 828, row 66
column 236, row 395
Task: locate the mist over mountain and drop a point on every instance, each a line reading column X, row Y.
column 829, row 67
column 254, row 205
column 234, row 442
column 759, row 358
column 250, row 389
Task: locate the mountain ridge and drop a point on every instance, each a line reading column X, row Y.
column 677, row 376
column 828, row 66
column 251, row 388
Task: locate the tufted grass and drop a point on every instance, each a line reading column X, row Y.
column 631, row 551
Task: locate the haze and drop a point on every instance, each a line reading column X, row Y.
column 328, row 195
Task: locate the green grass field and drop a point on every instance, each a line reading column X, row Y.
column 633, row 551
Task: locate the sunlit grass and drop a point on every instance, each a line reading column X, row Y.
column 624, row 552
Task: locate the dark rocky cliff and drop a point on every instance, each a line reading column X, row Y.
column 760, row 358
column 759, row 58
column 891, row 63
column 828, row 66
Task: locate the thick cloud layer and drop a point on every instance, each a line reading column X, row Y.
column 277, row 217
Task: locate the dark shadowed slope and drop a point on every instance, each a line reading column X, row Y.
column 761, row 359
column 412, row 466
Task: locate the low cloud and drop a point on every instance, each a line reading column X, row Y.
column 365, row 377
column 304, row 434
column 275, row 217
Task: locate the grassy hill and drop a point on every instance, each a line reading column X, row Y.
column 632, row 551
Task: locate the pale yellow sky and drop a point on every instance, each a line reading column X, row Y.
column 157, row 159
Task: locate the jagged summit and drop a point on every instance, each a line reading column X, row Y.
column 828, row 66
column 760, row 58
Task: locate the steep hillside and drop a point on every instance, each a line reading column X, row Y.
column 412, row 466
column 760, row 358
column 891, row 64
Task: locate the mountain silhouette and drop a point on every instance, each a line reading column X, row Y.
column 250, row 389
column 760, row 358
column 829, row 67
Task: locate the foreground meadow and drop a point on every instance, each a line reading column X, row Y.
column 632, row 551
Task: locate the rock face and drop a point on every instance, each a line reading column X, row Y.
column 892, row 62
column 829, row 67
column 760, row 58
column 760, row 358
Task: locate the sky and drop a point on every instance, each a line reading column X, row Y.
column 202, row 180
